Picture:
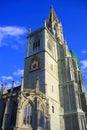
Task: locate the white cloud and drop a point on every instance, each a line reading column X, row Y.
column 10, row 35
column 19, row 72
column 16, row 83
column 84, row 51
column 8, row 85
column 15, row 47
column 7, row 80
column 12, row 31
column 84, row 64
column 3, row 42
column 4, row 78
column 84, row 72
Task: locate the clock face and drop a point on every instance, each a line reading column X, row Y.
column 34, row 63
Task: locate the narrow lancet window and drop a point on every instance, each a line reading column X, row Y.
column 36, row 44
column 28, row 115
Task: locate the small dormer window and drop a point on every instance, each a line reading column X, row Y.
column 36, row 44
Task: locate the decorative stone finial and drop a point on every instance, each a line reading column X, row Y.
column 22, row 83
column 37, row 84
column 1, row 91
column 44, row 23
column 12, row 86
column 29, row 30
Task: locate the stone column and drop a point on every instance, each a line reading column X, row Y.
column 6, row 114
column 19, row 118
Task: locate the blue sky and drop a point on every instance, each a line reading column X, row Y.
column 16, row 16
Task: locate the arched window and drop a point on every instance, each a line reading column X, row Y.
column 36, row 44
column 28, row 115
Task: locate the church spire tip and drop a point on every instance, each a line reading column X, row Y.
column 51, row 7
column 52, row 15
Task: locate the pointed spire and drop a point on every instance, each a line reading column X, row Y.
column 52, row 15
column 29, row 30
column 12, row 86
column 44, row 23
column 52, row 22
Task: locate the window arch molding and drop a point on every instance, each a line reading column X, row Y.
column 28, row 114
column 41, row 103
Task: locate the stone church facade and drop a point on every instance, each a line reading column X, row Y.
column 51, row 95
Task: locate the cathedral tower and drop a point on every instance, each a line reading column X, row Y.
column 52, row 66
column 52, row 89
column 41, row 63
